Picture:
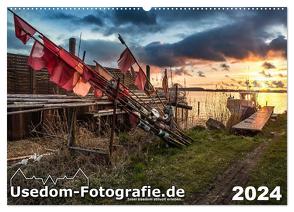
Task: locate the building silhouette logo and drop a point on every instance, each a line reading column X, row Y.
column 79, row 175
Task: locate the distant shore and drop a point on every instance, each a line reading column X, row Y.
column 230, row 90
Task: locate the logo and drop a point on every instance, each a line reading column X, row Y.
column 79, row 175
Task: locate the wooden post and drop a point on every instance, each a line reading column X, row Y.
column 148, row 77
column 148, row 72
column 99, row 126
column 198, row 112
column 71, row 126
column 34, row 81
column 187, row 117
column 113, row 120
column 182, row 114
column 176, row 104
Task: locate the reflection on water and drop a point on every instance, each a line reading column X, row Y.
column 213, row 104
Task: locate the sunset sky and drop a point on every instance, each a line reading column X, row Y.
column 205, row 47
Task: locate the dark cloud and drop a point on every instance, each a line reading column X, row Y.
column 265, row 74
column 238, row 40
column 278, row 84
column 181, row 72
column 268, row 65
column 132, row 32
column 275, row 84
column 91, row 19
column 279, row 44
column 159, row 54
column 101, row 50
column 201, row 74
column 88, row 19
column 136, row 17
column 245, row 34
column 225, row 67
column 62, row 16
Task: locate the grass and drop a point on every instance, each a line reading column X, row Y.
column 271, row 170
column 193, row 168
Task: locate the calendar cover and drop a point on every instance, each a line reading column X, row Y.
column 128, row 106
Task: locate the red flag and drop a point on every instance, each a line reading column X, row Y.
column 76, row 64
column 36, row 58
column 126, row 60
column 98, row 93
column 23, row 31
column 82, row 87
column 101, row 71
column 82, row 75
column 71, row 60
column 140, row 79
column 50, row 45
column 63, row 75
column 60, row 73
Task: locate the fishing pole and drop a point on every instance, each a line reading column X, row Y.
column 124, row 107
column 103, row 84
column 124, row 43
column 142, row 101
column 149, row 83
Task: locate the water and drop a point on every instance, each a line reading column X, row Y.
column 213, row 105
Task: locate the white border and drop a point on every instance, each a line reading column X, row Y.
column 133, row 3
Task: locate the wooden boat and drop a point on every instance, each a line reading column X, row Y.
column 256, row 121
column 241, row 108
column 248, row 100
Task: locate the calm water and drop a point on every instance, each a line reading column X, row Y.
column 213, row 104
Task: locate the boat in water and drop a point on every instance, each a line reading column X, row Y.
column 243, row 107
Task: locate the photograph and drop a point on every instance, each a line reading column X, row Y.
column 124, row 106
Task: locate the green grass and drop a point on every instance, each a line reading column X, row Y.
column 271, row 170
column 193, row 168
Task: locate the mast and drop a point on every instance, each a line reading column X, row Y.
column 171, row 76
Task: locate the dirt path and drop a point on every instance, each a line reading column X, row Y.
column 236, row 175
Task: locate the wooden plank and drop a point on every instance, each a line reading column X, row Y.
column 27, row 105
column 109, row 112
column 51, row 106
column 71, row 126
column 46, row 100
column 98, row 151
column 113, row 120
column 29, row 111
column 37, row 96
column 256, row 121
column 19, row 158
